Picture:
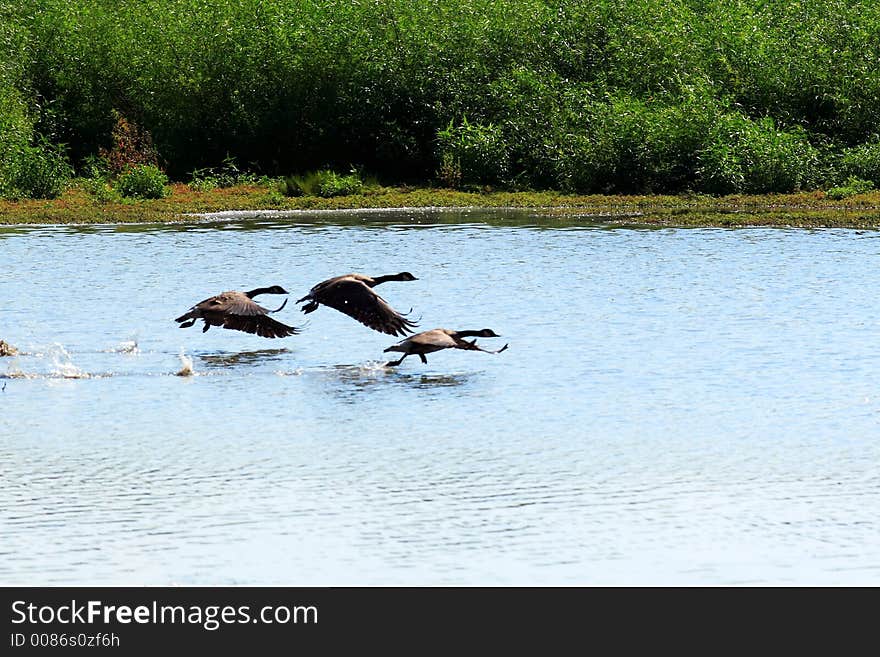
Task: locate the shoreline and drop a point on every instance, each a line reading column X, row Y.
column 183, row 205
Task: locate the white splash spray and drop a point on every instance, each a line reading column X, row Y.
column 127, row 347
column 62, row 365
column 186, row 365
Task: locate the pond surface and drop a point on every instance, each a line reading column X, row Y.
column 677, row 406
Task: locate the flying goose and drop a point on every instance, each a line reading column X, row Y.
column 237, row 310
column 436, row 339
column 353, row 295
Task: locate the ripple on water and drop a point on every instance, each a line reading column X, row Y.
column 691, row 407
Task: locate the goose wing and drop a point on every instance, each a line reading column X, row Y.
column 434, row 338
column 261, row 324
column 232, row 303
column 360, row 302
column 196, row 311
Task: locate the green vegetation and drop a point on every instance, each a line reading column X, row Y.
column 607, row 96
column 852, row 187
column 227, row 174
column 473, row 154
column 324, row 183
column 81, row 205
column 142, row 181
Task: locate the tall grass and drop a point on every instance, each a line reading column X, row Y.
column 607, row 95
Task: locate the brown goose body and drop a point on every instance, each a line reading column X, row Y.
column 437, row 339
column 353, row 295
column 238, row 311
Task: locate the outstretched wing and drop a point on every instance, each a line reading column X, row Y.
column 262, row 325
column 435, row 339
column 233, row 303
column 360, row 302
column 196, row 311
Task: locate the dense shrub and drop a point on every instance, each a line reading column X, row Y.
column 532, row 114
column 623, row 144
column 862, row 162
column 851, row 187
column 30, row 166
column 324, row 183
column 40, row 171
column 478, row 152
column 142, row 181
column 618, row 95
column 99, row 189
column 606, row 149
column 225, row 175
column 743, row 155
column 132, row 146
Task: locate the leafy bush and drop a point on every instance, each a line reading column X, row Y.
column 624, row 144
column 586, row 95
column 336, row 185
column 862, row 162
column 225, row 175
column 449, row 173
column 30, row 166
column 36, row 172
column 531, row 110
column 477, row 151
column 606, row 151
column 100, row 189
column 142, row 181
column 325, row 183
column 749, row 156
column 132, row 146
column 852, row 187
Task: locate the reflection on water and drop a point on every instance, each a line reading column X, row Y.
column 683, row 406
column 432, row 380
column 243, row 358
column 354, row 383
column 315, row 221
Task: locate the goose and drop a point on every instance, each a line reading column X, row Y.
column 440, row 338
column 353, row 295
column 237, row 310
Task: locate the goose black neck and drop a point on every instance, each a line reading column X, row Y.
column 402, row 276
column 469, row 334
column 257, row 292
column 378, row 280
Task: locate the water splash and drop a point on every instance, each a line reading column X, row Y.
column 186, row 365
column 297, row 372
column 14, row 371
column 62, row 365
column 127, row 347
column 373, row 367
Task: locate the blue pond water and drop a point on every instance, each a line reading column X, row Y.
column 676, row 406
